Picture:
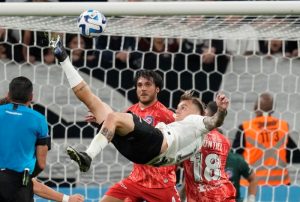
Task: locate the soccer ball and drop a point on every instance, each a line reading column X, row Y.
column 91, row 23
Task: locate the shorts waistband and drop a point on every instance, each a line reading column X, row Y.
column 11, row 172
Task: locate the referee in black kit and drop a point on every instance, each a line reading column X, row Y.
column 24, row 143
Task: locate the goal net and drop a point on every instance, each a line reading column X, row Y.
column 254, row 51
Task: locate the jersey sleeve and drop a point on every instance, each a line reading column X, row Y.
column 170, row 116
column 244, row 168
column 239, row 141
column 199, row 120
column 166, row 115
column 43, row 137
column 43, row 128
column 196, row 121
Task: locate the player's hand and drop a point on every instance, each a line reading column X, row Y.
column 122, row 55
column 208, row 55
column 76, row 198
column 222, row 101
column 90, row 118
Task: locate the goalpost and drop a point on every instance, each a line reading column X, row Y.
column 242, row 48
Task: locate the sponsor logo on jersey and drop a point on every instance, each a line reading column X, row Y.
column 149, row 119
column 122, row 185
column 13, row 113
column 206, row 188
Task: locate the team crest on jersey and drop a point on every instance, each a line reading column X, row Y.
column 149, row 119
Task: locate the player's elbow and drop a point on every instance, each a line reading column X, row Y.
column 218, row 123
column 252, row 179
column 42, row 165
column 211, row 124
column 39, row 167
column 41, row 156
column 112, row 117
column 37, row 189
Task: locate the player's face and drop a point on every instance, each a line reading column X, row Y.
column 146, row 91
column 185, row 108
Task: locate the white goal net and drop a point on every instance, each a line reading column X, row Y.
column 242, row 55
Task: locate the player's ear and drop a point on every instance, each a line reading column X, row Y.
column 255, row 105
column 157, row 90
column 31, row 97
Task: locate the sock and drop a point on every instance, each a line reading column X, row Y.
column 98, row 143
column 72, row 75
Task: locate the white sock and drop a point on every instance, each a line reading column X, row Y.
column 98, row 143
column 72, row 75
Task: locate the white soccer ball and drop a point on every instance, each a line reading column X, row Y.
column 91, row 23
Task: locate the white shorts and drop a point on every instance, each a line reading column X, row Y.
column 183, row 138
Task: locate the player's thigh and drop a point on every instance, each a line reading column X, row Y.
column 125, row 190
column 124, row 123
column 168, row 194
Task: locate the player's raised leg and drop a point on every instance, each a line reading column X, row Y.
column 84, row 94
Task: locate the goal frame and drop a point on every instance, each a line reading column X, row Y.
column 152, row 8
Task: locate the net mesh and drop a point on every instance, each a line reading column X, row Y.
column 208, row 27
column 243, row 56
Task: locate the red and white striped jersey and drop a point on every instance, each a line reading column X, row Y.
column 205, row 175
column 145, row 175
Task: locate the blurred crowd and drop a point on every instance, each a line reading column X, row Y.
column 200, row 63
column 184, row 64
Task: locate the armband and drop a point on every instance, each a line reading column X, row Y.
column 44, row 141
column 65, row 198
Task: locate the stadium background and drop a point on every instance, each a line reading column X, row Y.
column 241, row 77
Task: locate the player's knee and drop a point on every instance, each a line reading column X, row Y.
column 114, row 118
column 111, row 117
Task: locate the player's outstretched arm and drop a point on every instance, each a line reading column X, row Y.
column 252, row 187
column 50, row 194
column 79, row 86
column 218, row 118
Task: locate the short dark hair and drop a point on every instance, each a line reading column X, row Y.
column 20, row 89
column 149, row 74
column 264, row 104
column 189, row 95
column 212, row 107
